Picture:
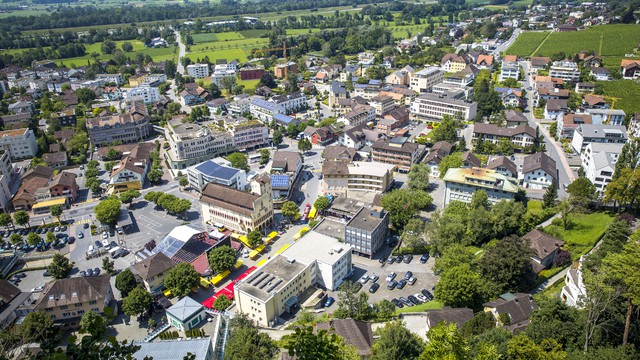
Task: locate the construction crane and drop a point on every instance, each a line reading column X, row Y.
column 613, row 105
column 283, row 48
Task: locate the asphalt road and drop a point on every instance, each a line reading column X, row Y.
column 565, row 174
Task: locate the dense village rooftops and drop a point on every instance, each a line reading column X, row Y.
column 480, row 177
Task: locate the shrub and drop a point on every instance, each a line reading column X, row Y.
column 563, row 257
column 629, row 218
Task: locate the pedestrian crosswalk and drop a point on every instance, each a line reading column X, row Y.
column 83, row 221
column 88, row 201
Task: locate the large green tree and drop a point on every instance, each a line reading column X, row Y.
column 246, row 342
column 222, row 258
column 396, row 342
column 460, row 286
column 419, row 177
column 351, row 303
column 5, row 219
column 508, row 264
column 125, row 282
column 59, row 267
column 108, row 210
column 450, row 162
column 128, row 196
column 321, row 203
column 181, row 278
column 255, row 238
column 582, row 193
column 447, row 130
column 239, row 161
column 137, row 302
column 290, row 209
column 445, row 342
column 21, row 218
column 304, row 344
column 38, row 327
column 403, row 204
column 93, row 324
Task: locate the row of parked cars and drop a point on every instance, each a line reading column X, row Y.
column 405, row 259
column 90, row 272
column 40, row 230
column 422, row 297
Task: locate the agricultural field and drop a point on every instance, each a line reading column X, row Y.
column 607, row 40
column 527, row 43
column 627, row 91
column 229, row 54
column 158, row 54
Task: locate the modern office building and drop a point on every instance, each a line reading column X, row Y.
column 599, row 163
column 367, row 231
column 342, row 177
column 19, row 143
column 192, row 144
column 397, row 151
column 435, row 106
column 423, row 80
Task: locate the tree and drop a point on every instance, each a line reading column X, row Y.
column 413, row 234
column 277, row 137
column 16, row 239
column 38, row 327
column 239, row 161
column 221, row 303
column 125, row 282
column 479, row 200
column 508, row 264
column 108, row 210
column 127, row 47
column 303, row 344
column 267, row 80
column 452, row 256
column 5, row 219
column 625, row 189
column 137, row 302
column 152, row 196
column 265, row 155
column 227, row 83
column 624, row 267
column 214, row 90
column 290, row 209
column 50, row 237
column 108, row 47
column 521, row 347
column 304, row 145
column 107, row 265
column 446, row 131
column 246, row 342
column 254, row 238
column 222, row 258
column 581, row 193
column 322, row 203
column 554, row 319
column 419, row 177
column 93, row 324
column 33, row 239
column 128, row 196
column 56, row 211
column 112, row 155
column 449, row 162
column 445, row 342
column 183, row 182
column 396, row 342
column 21, row 217
column 550, row 196
column 181, row 279
column 351, row 303
column 402, row 205
column 480, row 323
column 86, row 97
column 461, row 287
column 59, row 267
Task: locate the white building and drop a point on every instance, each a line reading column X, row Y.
column 294, row 102
column 574, row 290
column 6, row 172
column 264, row 110
column 19, row 143
column 111, row 78
column 191, row 144
column 423, row 80
column 210, row 171
column 361, row 115
column 539, row 171
column 433, row 106
column 589, row 133
column 565, row 70
column 147, row 94
column 198, row 71
column 599, row 163
column 218, row 76
column 277, row 287
column 509, row 70
column 462, row 183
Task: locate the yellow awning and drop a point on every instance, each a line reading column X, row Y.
column 168, row 293
column 218, row 278
column 272, row 235
column 57, row 201
column 235, row 235
column 204, row 282
column 282, row 249
column 313, row 212
column 238, row 264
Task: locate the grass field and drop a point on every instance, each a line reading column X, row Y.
column 628, row 92
column 229, row 54
column 158, row 54
column 527, row 43
column 607, row 40
column 584, row 232
column 431, row 305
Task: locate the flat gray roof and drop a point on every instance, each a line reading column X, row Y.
column 316, row 246
column 330, row 227
column 271, row 277
column 364, row 220
column 172, row 350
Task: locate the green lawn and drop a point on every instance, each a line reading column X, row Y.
column 534, row 206
column 431, row 305
column 527, row 43
column 555, row 289
column 231, row 44
column 158, row 54
column 584, row 232
column 627, row 92
column 229, row 54
column 249, row 84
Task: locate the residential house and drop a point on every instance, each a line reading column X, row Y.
column 485, row 62
column 469, row 160
column 7, row 174
column 66, row 300
column 463, row 77
column 436, row 154
column 397, row 151
column 592, row 61
column 360, row 115
column 582, row 88
column 566, row 28
column 248, row 134
column 509, row 70
column 521, row 136
column 453, row 63
column 131, row 171
column 198, row 71
column 555, row 109
column 539, row 63
column 591, row 101
column 515, row 118
column 590, row 133
column 400, row 77
column 448, row 315
column 566, row 70
column 630, row 69
column 193, row 95
column 117, row 79
column 251, row 73
column 337, row 91
column 552, row 93
column 517, row 308
column 567, row 124
column 56, row 160
column 395, row 119
column 281, row 70
column 13, row 303
column 462, row 183
column 354, row 332
column 545, row 248
column 285, row 169
column 152, row 271
column 539, row 171
column 599, row 163
column 235, row 209
column 320, row 136
column 132, row 126
column 574, row 292
column 600, row 74
column 291, row 103
column 382, row 104
column 66, row 117
column 314, row 260
column 340, row 153
column 14, row 121
column 511, row 98
column 504, row 166
column 265, row 110
column 210, row 171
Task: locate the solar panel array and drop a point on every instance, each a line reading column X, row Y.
column 169, row 246
column 279, row 180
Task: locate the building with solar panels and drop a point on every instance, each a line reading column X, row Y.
column 285, row 168
column 210, row 171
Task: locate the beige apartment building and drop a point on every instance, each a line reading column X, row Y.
column 397, row 151
column 235, row 209
column 66, row 300
column 340, row 177
column 152, row 271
